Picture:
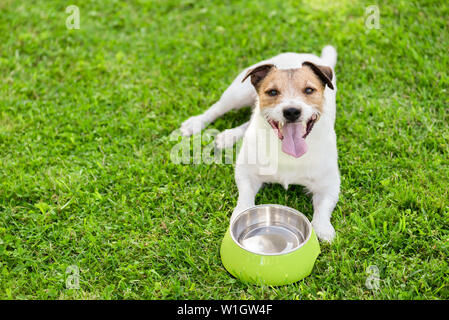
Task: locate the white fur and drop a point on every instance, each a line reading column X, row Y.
column 261, row 159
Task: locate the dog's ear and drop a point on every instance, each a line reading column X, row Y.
column 324, row 72
column 258, row 74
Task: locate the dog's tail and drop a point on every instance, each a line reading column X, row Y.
column 329, row 55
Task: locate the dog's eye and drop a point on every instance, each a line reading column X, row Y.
column 272, row 92
column 309, row 90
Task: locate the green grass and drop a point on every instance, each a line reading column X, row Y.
column 86, row 177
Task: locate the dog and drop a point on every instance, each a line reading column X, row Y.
column 294, row 99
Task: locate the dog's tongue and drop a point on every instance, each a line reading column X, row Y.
column 293, row 143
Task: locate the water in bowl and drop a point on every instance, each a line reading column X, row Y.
column 271, row 239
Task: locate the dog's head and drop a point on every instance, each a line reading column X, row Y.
column 291, row 100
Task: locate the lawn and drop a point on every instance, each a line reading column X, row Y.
column 86, row 178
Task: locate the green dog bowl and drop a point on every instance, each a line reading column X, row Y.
column 270, row 245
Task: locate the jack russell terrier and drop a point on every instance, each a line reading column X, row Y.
column 292, row 123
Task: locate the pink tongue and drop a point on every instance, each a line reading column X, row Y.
column 293, row 142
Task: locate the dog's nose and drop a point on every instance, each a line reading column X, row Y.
column 292, row 114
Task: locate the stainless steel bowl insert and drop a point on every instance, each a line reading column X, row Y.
column 270, row 229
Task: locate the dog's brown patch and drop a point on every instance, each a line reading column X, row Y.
column 291, row 83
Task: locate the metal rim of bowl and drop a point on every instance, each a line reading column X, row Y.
column 306, row 239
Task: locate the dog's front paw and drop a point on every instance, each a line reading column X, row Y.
column 324, row 230
column 225, row 139
column 193, row 125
